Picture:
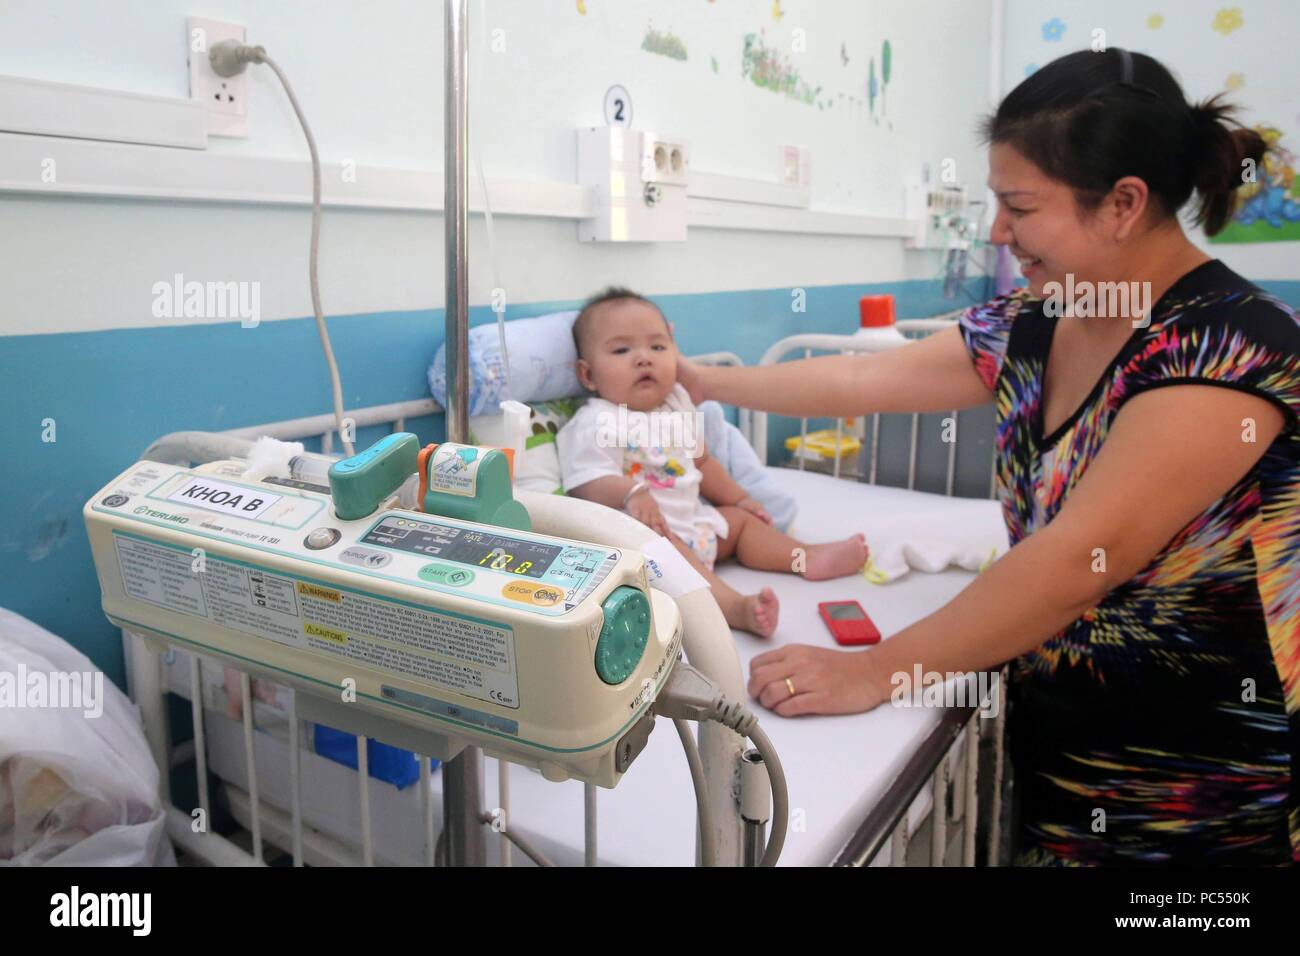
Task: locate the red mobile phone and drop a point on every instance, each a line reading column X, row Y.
column 848, row 623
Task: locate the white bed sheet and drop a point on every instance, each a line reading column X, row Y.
column 836, row 767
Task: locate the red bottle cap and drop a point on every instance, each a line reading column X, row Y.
column 876, row 311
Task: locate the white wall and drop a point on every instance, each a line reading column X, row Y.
column 1260, row 54
column 369, row 75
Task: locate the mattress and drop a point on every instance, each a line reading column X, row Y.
column 836, row 767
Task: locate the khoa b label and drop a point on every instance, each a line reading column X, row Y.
column 222, row 497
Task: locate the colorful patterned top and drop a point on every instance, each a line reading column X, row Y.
column 1163, row 726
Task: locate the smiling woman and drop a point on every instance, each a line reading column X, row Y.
column 1148, row 465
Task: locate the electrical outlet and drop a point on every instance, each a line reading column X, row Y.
column 225, row 98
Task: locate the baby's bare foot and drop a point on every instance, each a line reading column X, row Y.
column 835, row 559
column 756, row 613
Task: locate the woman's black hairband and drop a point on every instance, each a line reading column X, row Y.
column 1126, row 75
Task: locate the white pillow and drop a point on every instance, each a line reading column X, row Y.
column 540, row 468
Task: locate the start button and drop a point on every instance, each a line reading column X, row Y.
column 446, row 574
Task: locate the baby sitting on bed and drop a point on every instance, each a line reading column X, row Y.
column 639, row 447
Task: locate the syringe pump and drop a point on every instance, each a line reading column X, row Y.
column 432, row 629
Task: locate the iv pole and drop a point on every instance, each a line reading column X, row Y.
column 461, row 800
column 720, row 748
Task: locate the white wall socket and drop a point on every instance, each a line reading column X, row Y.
column 225, row 98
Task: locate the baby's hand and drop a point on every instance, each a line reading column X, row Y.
column 753, row 507
column 644, row 509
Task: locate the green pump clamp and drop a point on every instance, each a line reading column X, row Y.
column 358, row 484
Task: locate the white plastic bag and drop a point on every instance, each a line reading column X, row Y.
column 78, row 784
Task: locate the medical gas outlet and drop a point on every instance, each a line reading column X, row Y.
column 638, row 180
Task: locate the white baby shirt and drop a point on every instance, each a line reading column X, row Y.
column 657, row 447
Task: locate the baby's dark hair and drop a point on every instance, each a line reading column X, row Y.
column 586, row 318
column 1090, row 119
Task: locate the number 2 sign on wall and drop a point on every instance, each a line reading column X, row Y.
column 618, row 107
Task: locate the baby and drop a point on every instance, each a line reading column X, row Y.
column 638, row 448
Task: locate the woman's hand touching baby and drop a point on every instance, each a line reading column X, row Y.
column 690, row 377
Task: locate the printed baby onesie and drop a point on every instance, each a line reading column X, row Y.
column 658, row 447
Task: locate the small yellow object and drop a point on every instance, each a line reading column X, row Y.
column 582, row 7
column 823, row 444
column 1155, row 21
column 777, row 12
column 873, row 574
column 1235, row 81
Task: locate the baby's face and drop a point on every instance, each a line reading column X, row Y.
column 628, row 356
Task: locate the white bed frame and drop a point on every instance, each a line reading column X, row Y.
column 922, row 796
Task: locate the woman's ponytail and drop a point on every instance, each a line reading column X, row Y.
column 1224, row 154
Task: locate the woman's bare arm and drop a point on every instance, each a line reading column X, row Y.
column 1170, row 454
column 931, row 375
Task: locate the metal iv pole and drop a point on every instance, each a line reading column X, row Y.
column 461, row 800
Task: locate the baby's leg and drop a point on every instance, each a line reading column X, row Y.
column 758, row 545
column 756, row 613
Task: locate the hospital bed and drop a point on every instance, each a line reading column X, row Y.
column 894, row 786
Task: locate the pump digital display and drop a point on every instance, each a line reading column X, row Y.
column 475, row 548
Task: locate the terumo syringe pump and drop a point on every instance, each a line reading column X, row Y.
column 431, row 629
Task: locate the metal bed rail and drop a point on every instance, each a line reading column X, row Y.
column 809, row 344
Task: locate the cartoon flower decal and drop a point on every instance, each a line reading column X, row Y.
column 1053, row 30
column 1235, row 81
column 1155, row 21
column 1227, row 20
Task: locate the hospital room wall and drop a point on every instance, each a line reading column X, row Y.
column 82, row 345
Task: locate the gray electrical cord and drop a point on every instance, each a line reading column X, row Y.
column 780, row 794
column 228, row 58
column 708, row 850
column 689, row 695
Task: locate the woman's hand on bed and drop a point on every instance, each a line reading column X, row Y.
column 824, row 681
column 753, row 507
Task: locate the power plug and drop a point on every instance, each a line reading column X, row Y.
column 230, row 57
column 224, row 96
